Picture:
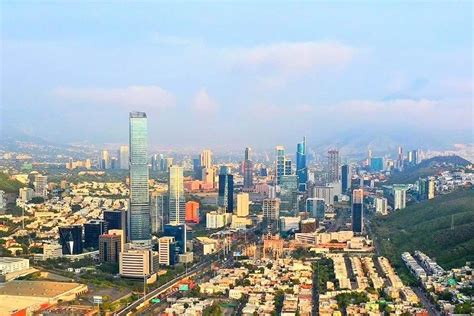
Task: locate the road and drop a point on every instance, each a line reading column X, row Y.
column 162, row 288
column 425, row 301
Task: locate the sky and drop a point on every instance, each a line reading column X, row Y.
column 237, row 73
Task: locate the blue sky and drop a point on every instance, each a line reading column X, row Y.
column 237, row 73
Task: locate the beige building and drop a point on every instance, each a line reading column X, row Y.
column 243, row 202
column 164, row 250
column 135, row 263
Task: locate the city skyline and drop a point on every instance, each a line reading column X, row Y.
column 186, row 77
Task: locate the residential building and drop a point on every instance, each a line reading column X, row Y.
column 176, row 199
column 381, row 205
column 242, row 205
column 271, row 209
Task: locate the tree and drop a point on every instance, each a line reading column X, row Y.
column 37, row 200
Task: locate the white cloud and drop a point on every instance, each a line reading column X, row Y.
column 293, row 58
column 204, row 103
column 136, row 97
column 172, row 40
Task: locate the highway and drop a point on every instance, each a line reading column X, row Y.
column 130, row 308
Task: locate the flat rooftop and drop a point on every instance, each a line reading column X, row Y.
column 11, row 259
column 47, row 289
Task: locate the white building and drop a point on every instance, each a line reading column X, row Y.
column 164, row 250
column 381, row 205
column 399, row 198
column 288, row 223
column 3, row 202
column 215, row 220
column 123, row 157
column 26, row 194
column 271, row 209
column 9, row 265
column 41, row 185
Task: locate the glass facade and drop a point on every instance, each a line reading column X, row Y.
column 301, row 169
column 139, row 214
column 176, row 199
column 226, row 190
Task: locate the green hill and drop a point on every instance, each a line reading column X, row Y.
column 8, row 185
column 427, row 227
column 428, row 167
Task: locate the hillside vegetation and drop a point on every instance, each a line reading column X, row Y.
column 427, row 227
column 428, row 167
column 8, row 185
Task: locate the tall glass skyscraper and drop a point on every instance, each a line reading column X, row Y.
column 279, row 163
column 176, row 199
column 139, row 214
column 301, row 169
column 248, row 169
column 226, row 190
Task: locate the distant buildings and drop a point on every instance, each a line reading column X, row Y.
column 271, row 209
column 247, row 167
column 226, row 190
column 381, row 206
column 280, row 164
column 316, row 207
column 399, row 196
column 105, row 160
column 176, row 199
column 115, row 219
column 301, row 167
column 123, row 155
column 333, row 166
column 346, row 178
column 139, row 210
column 376, row 164
column 41, row 186
column 110, row 246
column 242, row 205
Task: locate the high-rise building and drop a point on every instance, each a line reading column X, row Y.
column 166, row 251
column 208, row 176
column 376, row 164
column 242, row 205
column 26, row 194
column 279, row 163
column 70, row 238
column 206, row 158
column 399, row 197
column 115, row 219
column 301, row 167
column 413, row 157
column 176, row 199
column 123, row 155
column 271, row 209
column 316, row 207
column 197, row 169
column 381, row 205
column 288, row 192
column 178, row 232
column 431, row 189
column 400, row 158
column 158, row 212
column 110, row 246
column 41, row 185
column 226, row 190
column 155, row 162
column 358, row 211
column 248, row 170
column 346, row 178
column 139, row 211
column 192, row 212
column 104, row 162
column 92, row 230
column 333, row 166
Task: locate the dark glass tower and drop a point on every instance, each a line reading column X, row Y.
column 70, row 238
column 139, row 211
column 226, row 190
column 345, row 177
column 248, row 170
column 92, row 231
column 301, row 168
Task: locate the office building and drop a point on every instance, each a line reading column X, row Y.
column 139, row 209
column 381, row 205
column 197, row 169
column 51, row 251
column 168, row 162
column 110, row 246
column 399, row 197
column 158, row 212
column 289, row 223
column 308, row 225
column 357, row 211
column 279, row 163
column 70, row 238
column 11, row 265
column 346, row 178
column 316, row 207
column 333, row 166
column 247, row 170
column 41, row 186
column 155, row 163
column 178, row 231
column 104, row 162
column 206, row 158
column 136, row 263
column 166, row 251
column 226, row 190
column 176, row 199
column 271, row 209
column 301, row 167
column 400, row 158
column 115, row 219
column 192, row 212
column 376, row 164
column 92, row 230
column 243, row 202
column 326, row 192
column 288, row 192
column 413, row 157
column 208, row 177
column 123, row 157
